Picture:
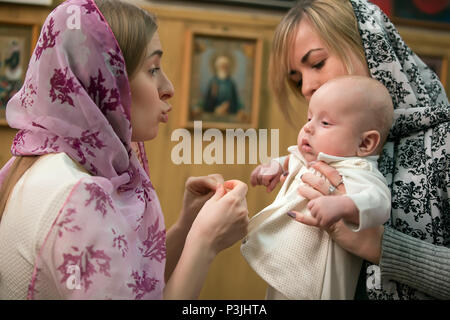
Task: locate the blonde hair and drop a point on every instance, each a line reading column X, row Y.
column 133, row 28
column 335, row 23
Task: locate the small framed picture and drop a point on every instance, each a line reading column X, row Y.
column 221, row 79
column 16, row 43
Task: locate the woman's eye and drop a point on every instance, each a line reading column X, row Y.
column 154, row 71
column 319, row 65
column 325, row 123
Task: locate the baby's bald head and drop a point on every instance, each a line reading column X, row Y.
column 365, row 97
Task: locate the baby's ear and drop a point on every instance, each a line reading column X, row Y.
column 369, row 143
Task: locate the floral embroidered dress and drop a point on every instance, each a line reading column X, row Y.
column 415, row 161
column 110, row 231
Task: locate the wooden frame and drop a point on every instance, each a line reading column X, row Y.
column 237, row 54
column 17, row 41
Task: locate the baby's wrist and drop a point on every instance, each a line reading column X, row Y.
column 280, row 161
column 351, row 212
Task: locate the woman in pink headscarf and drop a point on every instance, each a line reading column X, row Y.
column 81, row 219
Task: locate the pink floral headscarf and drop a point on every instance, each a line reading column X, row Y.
column 76, row 99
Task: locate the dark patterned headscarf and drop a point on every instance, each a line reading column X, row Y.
column 76, row 99
column 415, row 160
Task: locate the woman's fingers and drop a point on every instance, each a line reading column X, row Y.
column 223, row 219
column 316, row 182
column 308, row 192
column 220, row 192
column 303, row 218
column 236, row 187
column 204, row 185
column 216, row 178
column 331, row 174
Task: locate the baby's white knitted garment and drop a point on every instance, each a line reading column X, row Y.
column 302, row 262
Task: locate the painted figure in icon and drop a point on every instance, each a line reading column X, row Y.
column 222, row 96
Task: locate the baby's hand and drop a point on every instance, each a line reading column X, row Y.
column 267, row 175
column 327, row 210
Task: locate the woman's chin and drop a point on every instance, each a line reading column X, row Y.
column 152, row 135
column 145, row 136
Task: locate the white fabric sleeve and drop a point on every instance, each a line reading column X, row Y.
column 373, row 202
column 280, row 160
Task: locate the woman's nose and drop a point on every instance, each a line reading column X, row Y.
column 309, row 86
column 167, row 91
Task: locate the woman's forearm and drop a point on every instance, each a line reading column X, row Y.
column 191, row 270
column 175, row 239
column 416, row 263
column 365, row 243
column 370, row 246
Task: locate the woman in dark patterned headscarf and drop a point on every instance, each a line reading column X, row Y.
column 409, row 257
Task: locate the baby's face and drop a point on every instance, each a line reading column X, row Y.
column 333, row 127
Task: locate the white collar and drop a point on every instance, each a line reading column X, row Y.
column 327, row 157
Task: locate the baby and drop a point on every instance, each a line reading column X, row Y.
column 349, row 119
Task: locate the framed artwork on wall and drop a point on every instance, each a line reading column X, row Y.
column 221, row 79
column 16, row 44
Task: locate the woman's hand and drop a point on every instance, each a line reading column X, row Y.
column 366, row 243
column 320, row 186
column 197, row 191
column 223, row 220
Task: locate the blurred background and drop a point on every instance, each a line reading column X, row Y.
column 194, row 34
